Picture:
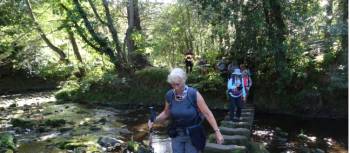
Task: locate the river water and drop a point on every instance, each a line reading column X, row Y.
column 309, row 134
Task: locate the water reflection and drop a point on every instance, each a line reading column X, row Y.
column 300, row 135
column 161, row 144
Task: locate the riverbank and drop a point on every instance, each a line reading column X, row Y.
column 20, row 82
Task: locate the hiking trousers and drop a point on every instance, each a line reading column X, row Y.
column 182, row 144
column 235, row 106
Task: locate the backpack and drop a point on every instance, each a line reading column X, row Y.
column 246, row 81
column 237, row 92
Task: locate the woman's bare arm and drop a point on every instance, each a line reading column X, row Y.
column 164, row 114
column 203, row 108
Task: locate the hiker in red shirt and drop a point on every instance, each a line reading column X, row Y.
column 247, row 82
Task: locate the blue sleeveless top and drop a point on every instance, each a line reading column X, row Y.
column 184, row 112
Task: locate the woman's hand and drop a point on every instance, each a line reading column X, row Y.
column 219, row 137
column 150, row 124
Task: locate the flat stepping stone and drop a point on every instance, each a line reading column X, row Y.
column 247, row 110
column 235, row 131
column 235, row 140
column 243, row 119
column 230, row 124
column 218, row 148
column 247, row 114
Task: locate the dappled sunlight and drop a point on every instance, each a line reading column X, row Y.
column 26, row 99
column 261, row 133
column 310, row 136
column 49, row 136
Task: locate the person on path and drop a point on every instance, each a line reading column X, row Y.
column 189, row 61
column 203, row 66
column 221, row 66
column 183, row 105
column 237, row 94
column 232, row 66
column 247, row 82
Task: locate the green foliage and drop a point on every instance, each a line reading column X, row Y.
column 7, row 141
column 296, row 49
column 59, row 71
column 152, row 77
column 212, row 82
column 55, row 122
column 136, row 147
column 69, row 91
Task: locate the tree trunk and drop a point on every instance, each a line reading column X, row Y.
column 103, row 44
column 113, row 31
column 96, row 13
column 276, row 32
column 137, row 60
column 190, row 35
column 43, row 36
column 327, row 33
column 76, row 51
column 134, row 23
column 344, row 40
column 80, row 30
column 131, row 25
column 74, row 44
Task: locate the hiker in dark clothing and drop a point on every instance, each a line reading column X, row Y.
column 221, row 66
column 189, row 61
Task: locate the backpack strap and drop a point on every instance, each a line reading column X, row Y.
column 193, row 93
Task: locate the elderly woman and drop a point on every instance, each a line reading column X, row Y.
column 183, row 105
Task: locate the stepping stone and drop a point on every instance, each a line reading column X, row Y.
column 247, row 110
column 236, row 140
column 247, row 114
column 235, row 131
column 231, row 124
column 218, row 148
column 244, row 114
column 243, row 119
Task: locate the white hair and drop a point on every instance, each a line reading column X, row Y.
column 177, row 74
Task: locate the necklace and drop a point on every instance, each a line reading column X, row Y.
column 179, row 97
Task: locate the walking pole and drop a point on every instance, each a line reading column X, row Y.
column 152, row 119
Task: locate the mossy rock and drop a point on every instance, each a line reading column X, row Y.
column 13, row 105
column 6, row 151
column 230, row 124
column 23, row 123
column 70, row 145
column 55, row 122
column 86, row 142
column 235, row 131
column 218, row 148
column 236, row 140
column 136, row 147
column 7, row 141
column 254, row 147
